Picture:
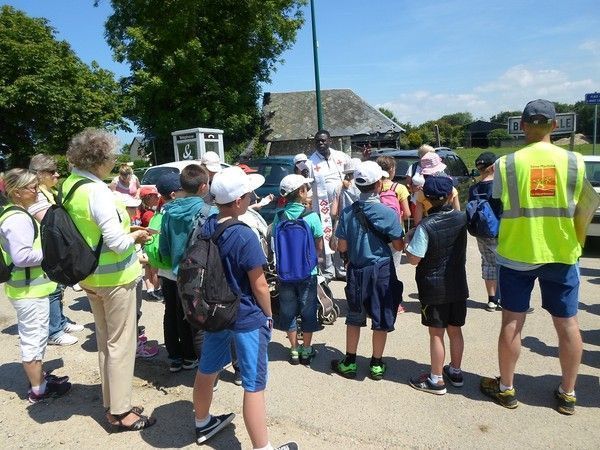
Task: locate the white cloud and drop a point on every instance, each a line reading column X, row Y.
column 591, row 46
column 509, row 91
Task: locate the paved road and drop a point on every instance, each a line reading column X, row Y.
column 321, row 410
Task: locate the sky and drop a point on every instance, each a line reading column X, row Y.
column 420, row 59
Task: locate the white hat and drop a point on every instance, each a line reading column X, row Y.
column 368, row 172
column 232, row 182
column 290, row 183
column 211, row 161
column 351, row 165
column 130, row 202
column 300, row 157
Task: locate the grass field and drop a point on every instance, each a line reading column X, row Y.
column 469, row 154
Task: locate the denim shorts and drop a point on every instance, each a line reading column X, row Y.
column 298, row 298
column 373, row 291
column 559, row 284
column 252, row 358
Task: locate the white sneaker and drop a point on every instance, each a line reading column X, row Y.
column 77, row 288
column 72, row 327
column 63, row 339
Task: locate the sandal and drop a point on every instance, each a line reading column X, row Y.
column 134, row 409
column 141, row 423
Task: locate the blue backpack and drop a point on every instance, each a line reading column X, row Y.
column 295, row 250
column 481, row 219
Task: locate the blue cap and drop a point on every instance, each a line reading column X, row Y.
column 167, row 183
column 539, row 111
column 437, row 187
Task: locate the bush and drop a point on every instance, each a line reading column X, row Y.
column 414, row 140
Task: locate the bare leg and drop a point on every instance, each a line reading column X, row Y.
column 457, row 346
column 203, row 393
column 293, row 337
column 570, row 349
column 379, row 340
column 436, row 349
column 255, row 418
column 509, row 345
column 352, row 338
column 307, row 338
column 490, row 287
column 34, row 372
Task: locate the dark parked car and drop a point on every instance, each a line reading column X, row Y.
column 273, row 168
column 455, row 167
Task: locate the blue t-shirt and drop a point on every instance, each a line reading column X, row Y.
column 240, row 253
column 364, row 248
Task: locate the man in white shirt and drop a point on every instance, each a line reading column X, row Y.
column 327, row 171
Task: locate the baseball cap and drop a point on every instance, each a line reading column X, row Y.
column 211, row 161
column 231, row 183
column 246, row 168
column 167, row 183
column 431, row 163
column 486, row 159
column 148, row 189
column 539, row 111
column 368, row 172
column 131, row 202
column 437, row 187
column 299, row 158
column 351, row 165
column 290, row 183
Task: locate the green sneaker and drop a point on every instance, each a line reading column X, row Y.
column 307, row 355
column 491, row 388
column 376, row 372
column 343, row 369
column 565, row 403
column 294, row 357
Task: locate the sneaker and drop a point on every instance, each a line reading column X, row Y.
column 50, row 377
column 294, row 357
column 565, row 403
column 306, row 355
column 455, row 379
column 73, row 328
column 146, row 351
column 491, row 388
column 376, row 372
column 216, row 424
column 52, row 390
column 288, row 446
column 401, row 309
column 63, row 340
column 189, row 364
column 493, row 306
column 176, row 366
column 77, row 288
column 343, row 369
column 154, row 296
column 423, row 383
column 158, row 295
column 237, row 377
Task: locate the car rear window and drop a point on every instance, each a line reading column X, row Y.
column 273, row 172
column 153, row 174
column 592, row 172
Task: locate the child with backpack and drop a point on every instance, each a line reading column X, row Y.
column 242, row 262
column 438, row 248
column 483, row 212
column 298, row 237
column 150, row 204
column 372, row 289
column 180, row 217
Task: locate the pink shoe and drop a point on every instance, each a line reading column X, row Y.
column 146, row 351
column 401, row 309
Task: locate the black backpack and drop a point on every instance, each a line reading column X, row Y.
column 208, row 302
column 67, row 258
column 6, row 269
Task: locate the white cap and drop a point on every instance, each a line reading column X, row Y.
column 232, row 182
column 211, row 161
column 368, row 172
column 300, row 157
column 130, row 202
column 351, row 165
column 290, row 183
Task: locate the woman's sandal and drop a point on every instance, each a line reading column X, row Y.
column 141, row 423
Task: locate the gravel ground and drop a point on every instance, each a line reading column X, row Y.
column 317, row 409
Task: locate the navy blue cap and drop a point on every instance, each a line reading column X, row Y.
column 167, row 183
column 437, row 187
column 539, row 111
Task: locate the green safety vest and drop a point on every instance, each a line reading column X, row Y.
column 26, row 282
column 114, row 269
column 541, row 185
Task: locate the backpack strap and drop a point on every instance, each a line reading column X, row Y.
column 366, row 223
column 223, row 226
column 11, row 266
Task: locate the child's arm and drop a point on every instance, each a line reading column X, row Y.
column 342, row 245
column 398, row 244
column 417, row 246
column 260, row 289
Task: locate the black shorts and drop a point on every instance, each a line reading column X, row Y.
column 440, row 316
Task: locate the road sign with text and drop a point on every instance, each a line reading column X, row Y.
column 593, row 98
column 565, row 123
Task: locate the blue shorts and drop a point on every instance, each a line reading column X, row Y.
column 559, row 284
column 374, row 291
column 252, row 358
column 298, row 298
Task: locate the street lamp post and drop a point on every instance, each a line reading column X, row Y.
column 316, row 60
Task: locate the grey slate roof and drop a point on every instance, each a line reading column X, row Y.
column 293, row 115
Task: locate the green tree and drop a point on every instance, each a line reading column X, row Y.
column 502, row 117
column 414, row 139
column 457, row 119
column 47, row 94
column 497, row 136
column 200, row 62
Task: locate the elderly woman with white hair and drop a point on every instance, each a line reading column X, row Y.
column 98, row 214
column 60, row 327
column 28, row 287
